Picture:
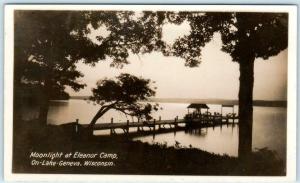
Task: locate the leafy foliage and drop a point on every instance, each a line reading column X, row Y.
column 126, row 93
column 49, row 43
column 258, row 35
column 129, row 33
column 244, row 35
column 43, row 55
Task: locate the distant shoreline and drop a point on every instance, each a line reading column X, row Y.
column 262, row 103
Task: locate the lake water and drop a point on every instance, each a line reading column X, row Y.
column 269, row 126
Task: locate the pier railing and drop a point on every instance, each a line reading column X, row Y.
column 204, row 120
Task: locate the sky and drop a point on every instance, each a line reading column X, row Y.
column 217, row 77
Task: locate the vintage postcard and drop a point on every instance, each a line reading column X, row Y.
column 182, row 92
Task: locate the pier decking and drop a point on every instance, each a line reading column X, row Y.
column 153, row 125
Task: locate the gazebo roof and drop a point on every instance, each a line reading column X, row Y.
column 198, row 106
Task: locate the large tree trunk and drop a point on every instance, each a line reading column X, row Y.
column 88, row 132
column 44, row 107
column 99, row 114
column 246, row 107
column 17, row 88
column 44, row 103
column 95, row 118
column 17, row 102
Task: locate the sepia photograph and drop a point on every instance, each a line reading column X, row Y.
column 150, row 91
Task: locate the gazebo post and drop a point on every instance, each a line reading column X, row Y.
column 221, row 110
column 197, row 109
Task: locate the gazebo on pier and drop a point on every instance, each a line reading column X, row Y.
column 205, row 117
column 197, row 109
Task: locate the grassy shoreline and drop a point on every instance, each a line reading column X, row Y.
column 134, row 157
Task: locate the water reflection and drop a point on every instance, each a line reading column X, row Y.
column 219, row 139
column 197, row 131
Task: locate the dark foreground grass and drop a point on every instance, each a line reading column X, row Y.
column 133, row 157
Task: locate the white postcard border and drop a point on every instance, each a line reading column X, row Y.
column 8, row 97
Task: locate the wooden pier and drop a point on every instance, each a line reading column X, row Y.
column 158, row 125
column 192, row 120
